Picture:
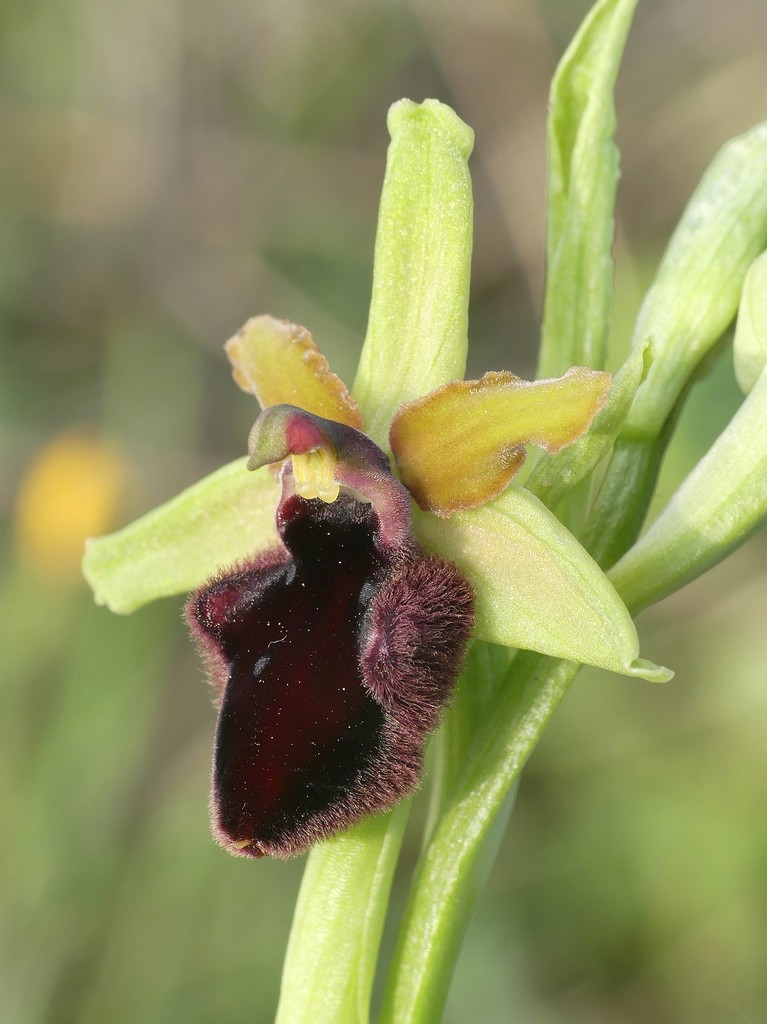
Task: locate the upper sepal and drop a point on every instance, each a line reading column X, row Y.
column 416, row 338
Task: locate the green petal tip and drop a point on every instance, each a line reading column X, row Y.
column 459, row 133
column 642, row 669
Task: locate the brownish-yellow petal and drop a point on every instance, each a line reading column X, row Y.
column 459, row 446
column 279, row 363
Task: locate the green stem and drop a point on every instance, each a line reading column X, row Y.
column 341, row 905
column 466, row 839
column 484, row 672
column 613, row 526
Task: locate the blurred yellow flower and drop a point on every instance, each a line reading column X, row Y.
column 70, row 490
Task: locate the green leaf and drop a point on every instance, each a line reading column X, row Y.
column 751, row 328
column 720, row 504
column 176, row 547
column 416, row 337
column 331, row 957
column 555, row 476
column 616, row 517
column 536, row 587
column 583, row 175
column 697, row 288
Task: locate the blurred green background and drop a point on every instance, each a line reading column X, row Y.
column 166, row 171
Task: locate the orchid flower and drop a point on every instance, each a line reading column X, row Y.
column 347, row 591
column 354, row 633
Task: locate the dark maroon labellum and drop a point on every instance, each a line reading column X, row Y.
column 332, row 657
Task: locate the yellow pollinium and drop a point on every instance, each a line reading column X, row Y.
column 314, row 473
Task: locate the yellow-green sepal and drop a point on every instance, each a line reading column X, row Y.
column 537, row 588
column 224, row 518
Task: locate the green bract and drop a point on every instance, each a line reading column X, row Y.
column 331, row 957
column 692, row 301
column 583, row 175
column 721, row 503
column 696, row 291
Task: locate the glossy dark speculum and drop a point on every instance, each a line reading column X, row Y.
column 333, row 657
